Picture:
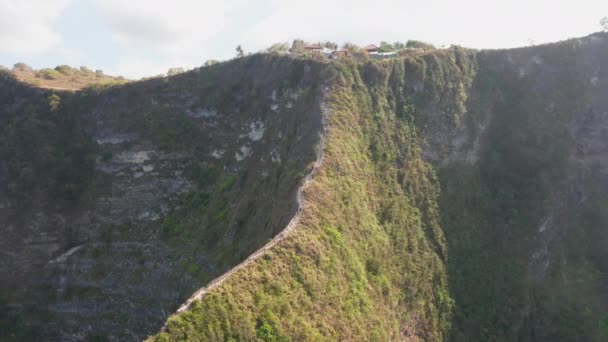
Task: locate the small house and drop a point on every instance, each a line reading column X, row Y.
column 371, row 48
column 314, row 49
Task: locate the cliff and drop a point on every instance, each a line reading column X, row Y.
column 461, row 198
column 119, row 202
column 453, row 195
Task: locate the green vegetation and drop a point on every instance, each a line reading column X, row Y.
column 239, row 51
column 391, row 247
column 416, row 44
column 368, row 260
column 492, row 211
column 44, row 148
column 12, row 328
column 388, row 47
column 63, row 77
column 54, row 102
column 422, row 223
column 48, row 74
column 175, row 71
column 279, row 48
column 20, row 66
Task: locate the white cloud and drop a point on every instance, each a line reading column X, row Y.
column 154, row 35
column 474, row 23
column 175, row 33
column 26, row 26
column 134, row 67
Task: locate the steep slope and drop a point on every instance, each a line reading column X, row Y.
column 525, row 224
column 454, row 195
column 119, row 202
column 461, row 198
column 367, row 261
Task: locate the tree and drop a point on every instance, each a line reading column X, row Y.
column 386, row 47
column 21, row 67
column 175, row 71
column 416, row 44
column 210, row 62
column 350, row 47
column 64, row 69
column 54, row 102
column 280, row 48
column 239, row 51
column 604, row 23
column 297, row 47
column 330, row 45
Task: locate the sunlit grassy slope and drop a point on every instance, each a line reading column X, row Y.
column 423, row 223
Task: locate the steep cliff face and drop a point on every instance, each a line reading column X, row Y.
column 525, row 223
column 119, row 202
column 461, row 196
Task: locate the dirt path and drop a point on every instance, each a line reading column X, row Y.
column 200, row 294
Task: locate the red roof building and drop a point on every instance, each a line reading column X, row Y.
column 312, row 47
column 370, row 48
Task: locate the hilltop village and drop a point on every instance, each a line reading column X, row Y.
column 332, row 51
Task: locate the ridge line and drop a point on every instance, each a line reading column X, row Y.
column 203, row 291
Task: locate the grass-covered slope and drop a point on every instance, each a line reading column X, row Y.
column 461, row 198
column 64, row 77
column 368, row 260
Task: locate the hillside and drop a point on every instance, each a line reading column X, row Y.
column 64, row 77
column 460, row 199
column 112, row 196
column 456, row 195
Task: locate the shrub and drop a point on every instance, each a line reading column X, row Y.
column 417, row 44
column 64, row 69
column 48, row 74
column 21, row 67
column 54, row 102
column 228, row 183
column 175, row 71
column 280, row 48
column 106, row 155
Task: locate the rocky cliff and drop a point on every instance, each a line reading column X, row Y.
column 461, row 196
column 461, row 199
column 119, row 202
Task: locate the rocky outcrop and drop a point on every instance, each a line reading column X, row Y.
column 191, row 174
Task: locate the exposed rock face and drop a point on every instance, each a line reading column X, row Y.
column 518, row 140
column 463, row 198
column 519, row 220
column 185, row 183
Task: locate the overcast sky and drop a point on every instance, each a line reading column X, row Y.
column 136, row 38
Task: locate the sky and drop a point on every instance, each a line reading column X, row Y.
column 138, row 38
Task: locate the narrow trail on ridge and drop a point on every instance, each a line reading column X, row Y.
column 202, row 292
